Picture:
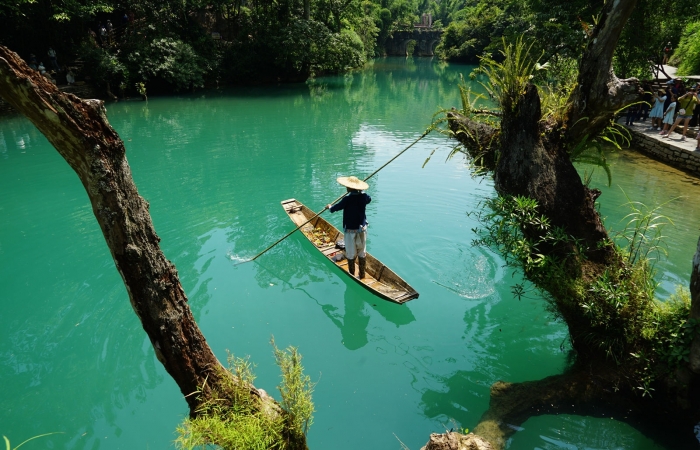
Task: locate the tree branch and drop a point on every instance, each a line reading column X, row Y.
column 600, row 93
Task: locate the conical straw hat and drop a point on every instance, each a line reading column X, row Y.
column 353, row 183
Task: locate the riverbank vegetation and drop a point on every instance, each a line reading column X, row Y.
column 175, row 46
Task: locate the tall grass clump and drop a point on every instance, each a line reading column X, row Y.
column 296, row 389
column 236, row 421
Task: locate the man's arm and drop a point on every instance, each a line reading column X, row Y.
column 337, row 207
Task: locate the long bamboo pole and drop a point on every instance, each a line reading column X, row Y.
column 336, row 200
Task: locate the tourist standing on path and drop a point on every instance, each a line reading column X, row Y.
column 667, row 53
column 686, row 103
column 631, row 114
column 668, row 115
column 354, row 221
column 695, row 121
column 657, row 112
column 102, row 32
column 679, row 88
column 92, row 36
column 52, row 59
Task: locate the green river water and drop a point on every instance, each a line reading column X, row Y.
column 214, row 166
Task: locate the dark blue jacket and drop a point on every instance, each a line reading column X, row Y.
column 353, row 206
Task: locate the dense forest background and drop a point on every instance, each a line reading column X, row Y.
column 176, row 45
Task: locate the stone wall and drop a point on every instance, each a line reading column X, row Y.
column 666, row 151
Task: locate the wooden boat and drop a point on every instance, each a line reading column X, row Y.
column 379, row 279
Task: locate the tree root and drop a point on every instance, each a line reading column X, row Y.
column 582, row 392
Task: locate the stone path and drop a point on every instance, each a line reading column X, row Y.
column 675, row 140
column 674, row 152
column 670, row 71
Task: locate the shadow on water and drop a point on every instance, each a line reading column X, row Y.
column 354, row 320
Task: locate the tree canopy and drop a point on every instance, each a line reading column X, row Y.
column 176, row 45
column 559, row 29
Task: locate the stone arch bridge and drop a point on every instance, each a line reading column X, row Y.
column 426, row 41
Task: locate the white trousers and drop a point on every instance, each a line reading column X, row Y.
column 355, row 243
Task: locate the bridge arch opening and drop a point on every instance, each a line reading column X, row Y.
column 411, row 46
column 431, row 46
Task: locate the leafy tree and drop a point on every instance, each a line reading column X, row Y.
column 103, row 65
column 631, row 354
column 172, row 61
column 652, row 25
column 687, row 55
column 558, row 28
column 472, row 30
column 365, row 27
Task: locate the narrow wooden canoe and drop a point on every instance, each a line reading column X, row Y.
column 379, row 279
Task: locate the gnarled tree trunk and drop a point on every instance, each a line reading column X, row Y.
column 79, row 130
column 581, row 391
column 529, row 158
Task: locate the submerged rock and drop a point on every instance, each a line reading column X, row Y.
column 457, row 441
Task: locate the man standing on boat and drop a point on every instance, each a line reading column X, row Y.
column 354, row 221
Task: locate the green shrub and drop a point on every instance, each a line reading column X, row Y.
column 102, row 66
column 687, row 55
column 170, row 60
column 672, row 331
column 340, row 52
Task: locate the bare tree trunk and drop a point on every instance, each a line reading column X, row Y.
column 79, row 130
